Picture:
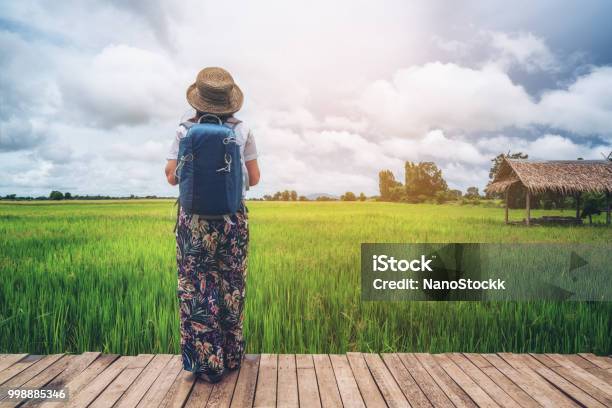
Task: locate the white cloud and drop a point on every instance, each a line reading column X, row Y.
column 446, row 96
column 585, row 107
column 122, row 85
column 149, row 151
column 525, row 50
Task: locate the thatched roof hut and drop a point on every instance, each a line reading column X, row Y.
column 562, row 176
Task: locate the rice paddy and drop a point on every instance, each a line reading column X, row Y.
column 100, row 275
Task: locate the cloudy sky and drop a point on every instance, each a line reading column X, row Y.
column 92, row 91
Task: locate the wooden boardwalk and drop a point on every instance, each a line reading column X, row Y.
column 320, row 380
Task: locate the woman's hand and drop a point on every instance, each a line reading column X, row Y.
column 170, row 170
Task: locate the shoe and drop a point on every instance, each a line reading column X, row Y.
column 213, row 379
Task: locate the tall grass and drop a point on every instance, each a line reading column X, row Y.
column 82, row 276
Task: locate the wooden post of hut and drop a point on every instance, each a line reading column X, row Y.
column 578, row 205
column 527, row 207
column 508, row 204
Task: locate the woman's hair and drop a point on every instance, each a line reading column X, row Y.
column 199, row 114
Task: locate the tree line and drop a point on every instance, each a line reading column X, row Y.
column 292, row 195
column 58, row 195
column 423, row 182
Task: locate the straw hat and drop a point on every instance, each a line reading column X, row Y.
column 215, row 91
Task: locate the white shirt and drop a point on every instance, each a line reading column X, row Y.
column 244, row 138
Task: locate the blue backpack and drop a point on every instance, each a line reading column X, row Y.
column 209, row 168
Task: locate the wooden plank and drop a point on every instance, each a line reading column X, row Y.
column 10, row 359
column 287, row 393
column 115, row 390
column 446, row 383
column 524, row 364
column 516, row 392
column 478, row 360
column 497, row 393
column 569, row 388
column 391, row 392
column 578, row 361
column 544, row 359
column 430, row 388
column 88, row 394
column 605, row 375
column 581, row 373
column 481, row 398
column 527, row 360
column 179, row 391
column 221, row 394
column 18, row 367
column 84, row 378
column 41, row 379
column 308, row 391
column 265, row 391
column 32, row 370
column 599, row 361
column 200, row 394
column 244, row 393
column 156, row 393
column 141, row 385
column 367, row 386
column 564, row 384
column 530, row 382
column 78, row 364
column 326, row 380
column 347, row 386
column 404, row 380
column 568, row 374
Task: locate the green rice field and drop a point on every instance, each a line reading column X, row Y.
column 100, row 275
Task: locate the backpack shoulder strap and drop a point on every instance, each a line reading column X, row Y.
column 232, row 123
column 187, row 125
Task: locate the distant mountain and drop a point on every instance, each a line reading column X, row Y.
column 314, row 196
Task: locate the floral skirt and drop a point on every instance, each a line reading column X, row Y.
column 212, row 267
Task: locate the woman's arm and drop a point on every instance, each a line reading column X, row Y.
column 253, row 170
column 170, row 169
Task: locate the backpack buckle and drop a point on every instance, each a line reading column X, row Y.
column 182, row 160
column 228, row 164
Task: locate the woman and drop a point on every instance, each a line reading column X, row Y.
column 212, row 252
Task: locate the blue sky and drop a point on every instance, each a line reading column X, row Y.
column 92, row 92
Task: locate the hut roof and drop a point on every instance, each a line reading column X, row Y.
column 563, row 176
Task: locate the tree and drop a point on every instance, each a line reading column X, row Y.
column 423, row 179
column 277, row 196
column 472, row 193
column 386, row 182
column 362, row 197
column 302, row 198
column 67, row 195
column 285, row 195
column 397, row 193
column 348, row 196
column 293, row 194
column 56, row 195
column 455, row 194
